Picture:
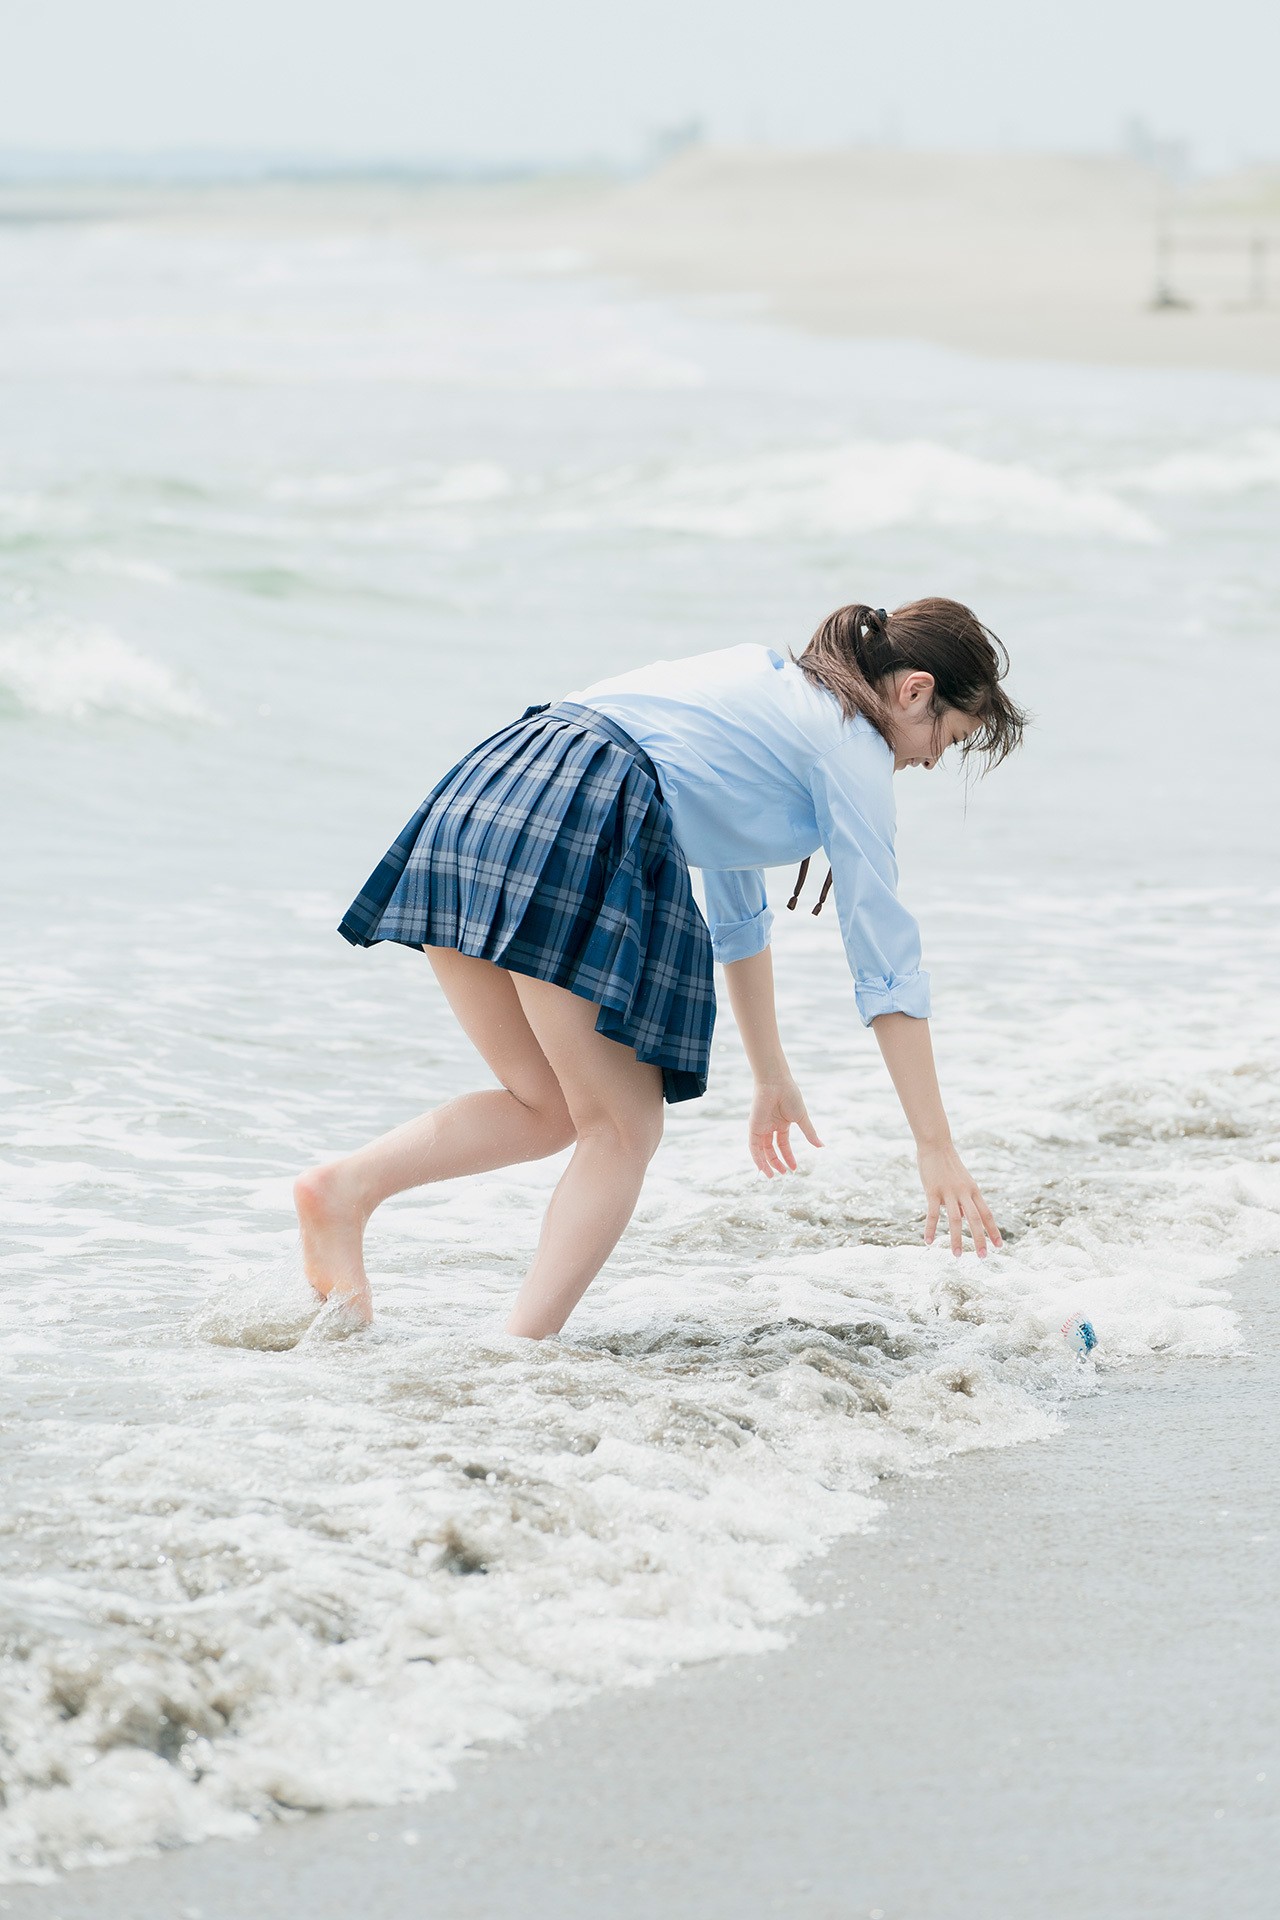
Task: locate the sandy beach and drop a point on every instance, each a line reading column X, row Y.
column 1040, row 257
column 1025, row 255
column 1047, row 1684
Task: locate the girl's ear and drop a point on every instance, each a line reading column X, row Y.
column 913, row 690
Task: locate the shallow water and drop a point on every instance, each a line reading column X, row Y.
column 287, row 519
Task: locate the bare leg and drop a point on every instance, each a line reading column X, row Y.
column 524, row 1119
column 615, row 1103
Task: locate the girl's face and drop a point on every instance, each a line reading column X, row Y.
column 920, row 736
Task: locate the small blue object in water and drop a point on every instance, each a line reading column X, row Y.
column 1079, row 1333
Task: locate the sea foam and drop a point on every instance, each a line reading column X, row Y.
column 862, row 487
column 77, row 673
column 1248, row 463
column 316, row 1573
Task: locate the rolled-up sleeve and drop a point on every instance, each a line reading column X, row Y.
column 738, row 912
column 853, row 803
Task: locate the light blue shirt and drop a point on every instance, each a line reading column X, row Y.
column 759, row 768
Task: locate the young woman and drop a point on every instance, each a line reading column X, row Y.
column 547, row 880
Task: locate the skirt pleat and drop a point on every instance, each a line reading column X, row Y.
column 549, row 851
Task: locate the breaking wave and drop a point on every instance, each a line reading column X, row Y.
column 1247, row 464
column 861, row 487
column 76, row 673
column 321, row 1568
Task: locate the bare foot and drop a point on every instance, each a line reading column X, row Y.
column 332, row 1221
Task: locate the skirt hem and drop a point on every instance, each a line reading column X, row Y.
column 678, row 1083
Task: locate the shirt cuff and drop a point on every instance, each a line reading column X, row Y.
column 742, row 938
column 900, row 993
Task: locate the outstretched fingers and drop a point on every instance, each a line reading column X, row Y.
column 949, row 1189
column 931, row 1219
column 775, row 1109
column 978, row 1233
column 964, row 1207
column 764, row 1151
column 988, row 1220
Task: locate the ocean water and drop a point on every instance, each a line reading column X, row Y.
column 291, row 511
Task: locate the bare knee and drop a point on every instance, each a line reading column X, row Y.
column 632, row 1135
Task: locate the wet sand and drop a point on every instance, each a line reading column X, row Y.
column 1048, row 1683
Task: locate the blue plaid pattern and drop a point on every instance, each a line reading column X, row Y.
column 549, row 850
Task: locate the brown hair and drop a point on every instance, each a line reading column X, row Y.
column 856, row 649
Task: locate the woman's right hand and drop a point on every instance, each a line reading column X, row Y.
column 777, row 1106
column 950, row 1188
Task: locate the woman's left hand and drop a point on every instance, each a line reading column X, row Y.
column 950, row 1188
column 777, row 1106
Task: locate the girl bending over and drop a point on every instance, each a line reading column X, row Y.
column 546, row 878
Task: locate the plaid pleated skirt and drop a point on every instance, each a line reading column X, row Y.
column 550, row 851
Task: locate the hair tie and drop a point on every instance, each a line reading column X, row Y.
column 881, row 613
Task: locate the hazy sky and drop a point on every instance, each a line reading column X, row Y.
column 540, row 80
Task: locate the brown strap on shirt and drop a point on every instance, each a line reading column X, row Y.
column 801, row 877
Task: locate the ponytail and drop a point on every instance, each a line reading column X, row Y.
column 858, row 648
column 848, row 655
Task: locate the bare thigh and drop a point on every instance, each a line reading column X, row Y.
column 606, row 1089
column 487, row 1007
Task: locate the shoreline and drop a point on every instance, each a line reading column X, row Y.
column 1028, row 256
column 1046, row 1682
